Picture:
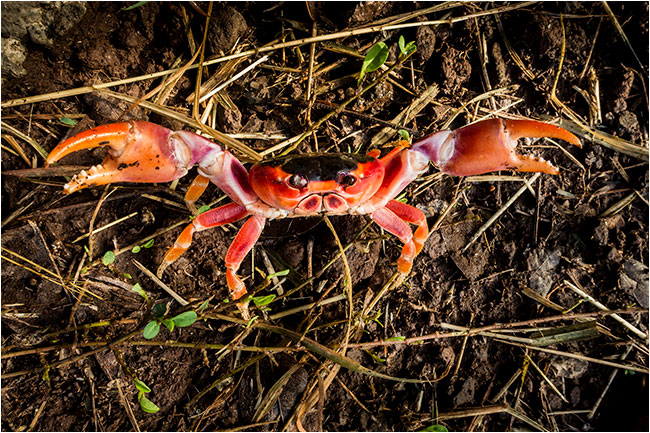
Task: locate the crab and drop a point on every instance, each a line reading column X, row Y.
column 302, row 185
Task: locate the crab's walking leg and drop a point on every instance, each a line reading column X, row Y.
column 393, row 224
column 213, row 218
column 196, row 189
column 415, row 216
column 243, row 243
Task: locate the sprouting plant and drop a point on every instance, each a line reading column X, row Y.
column 200, row 210
column 375, row 58
column 404, row 134
column 136, row 249
column 378, row 53
column 435, row 428
column 67, row 121
column 145, row 404
column 182, row 320
column 405, row 48
column 109, row 258
column 179, row 321
column 134, row 6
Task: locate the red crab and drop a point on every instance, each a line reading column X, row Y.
column 302, row 185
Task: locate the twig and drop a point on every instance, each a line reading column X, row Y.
column 498, row 213
column 602, row 307
column 157, row 280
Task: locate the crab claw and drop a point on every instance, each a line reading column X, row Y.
column 137, row 152
column 489, row 146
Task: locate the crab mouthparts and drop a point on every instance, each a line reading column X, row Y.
column 327, row 203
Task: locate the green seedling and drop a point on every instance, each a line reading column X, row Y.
column 109, row 258
column 375, row 358
column 278, row 274
column 67, row 121
column 199, row 211
column 405, row 48
column 435, row 428
column 145, row 404
column 405, row 135
column 261, row 301
column 137, row 288
column 134, row 6
column 181, row 320
column 375, row 58
column 136, row 249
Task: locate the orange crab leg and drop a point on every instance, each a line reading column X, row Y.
column 240, row 247
column 228, row 213
column 195, row 190
column 415, row 216
column 488, row 146
column 393, row 224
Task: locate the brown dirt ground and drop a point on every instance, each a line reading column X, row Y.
column 538, row 243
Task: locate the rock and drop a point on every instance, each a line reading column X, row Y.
column 226, row 28
column 41, row 21
column 634, row 280
column 38, row 22
column 13, row 56
column 542, row 265
column 570, row 368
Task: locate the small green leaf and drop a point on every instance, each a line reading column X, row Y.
column 278, row 274
column 67, row 121
column 400, row 43
column 140, row 291
column 404, row 134
column 159, row 310
column 135, row 249
column 109, row 257
column 169, row 324
column 250, row 322
column 395, row 339
column 46, row 373
column 204, row 305
column 435, row 428
column 149, row 243
column 185, row 319
column 375, row 57
column 148, row 406
column 142, row 387
column 134, row 6
column 202, row 209
column 127, row 275
column 151, row 330
column 411, row 47
column 375, row 358
column 261, row 301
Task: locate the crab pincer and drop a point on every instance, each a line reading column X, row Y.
column 489, row 145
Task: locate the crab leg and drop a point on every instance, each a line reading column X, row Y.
column 393, row 224
column 195, row 190
column 488, row 146
column 225, row 214
column 240, row 247
column 415, row 216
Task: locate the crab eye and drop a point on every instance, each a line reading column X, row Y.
column 298, row 181
column 347, row 179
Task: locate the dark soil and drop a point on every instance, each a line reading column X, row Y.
column 66, row 380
